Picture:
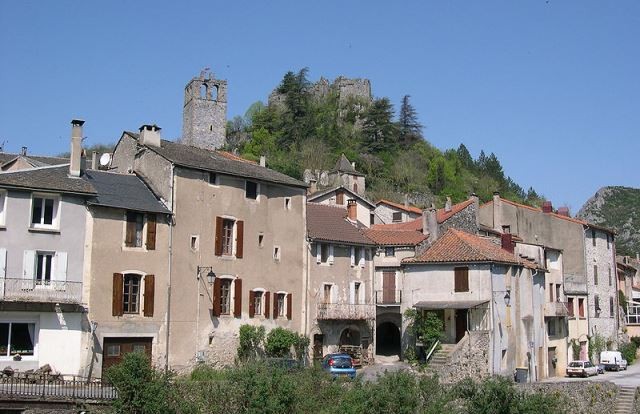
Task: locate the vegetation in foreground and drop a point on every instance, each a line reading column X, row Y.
column 256, row 387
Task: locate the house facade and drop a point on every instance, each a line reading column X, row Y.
column 387, row 212
column 343, row 197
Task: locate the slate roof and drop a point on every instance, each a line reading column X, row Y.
column 395, row 237
column 125, row 191
column 217, row 161
column 52, row 178
column 325, row 191
column 344, row 165
column 330, row 223
column 457, row 246
column 410, row 209
column 34, row 160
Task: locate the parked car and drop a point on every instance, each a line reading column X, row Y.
column 600, row 368
column 581, row 369
column 339, row 365
column 612, row 360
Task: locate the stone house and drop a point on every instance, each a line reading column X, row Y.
column 588, row 258
column 344, row 175
column 126, row 271
column 22, row 161
column 629, row 283
column 343, row 197
column 43, row 225
column 387, row 212
column 236, row 240
column 339, row 284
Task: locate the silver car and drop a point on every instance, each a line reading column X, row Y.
column 581, row 369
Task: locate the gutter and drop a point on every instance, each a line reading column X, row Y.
column 171, row 223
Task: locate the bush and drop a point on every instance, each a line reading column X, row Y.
column 280, row 341
column 636, row 340
column 251, row 339
column 628, row 351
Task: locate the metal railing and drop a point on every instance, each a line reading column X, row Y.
column 345, row 311
column 556, row 309
column 388, row 297
column 49, row 387
column 30, row 290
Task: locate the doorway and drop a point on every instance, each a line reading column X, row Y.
column 461, row 323
column 552, row 361
column 318, row 339
column 388, row 339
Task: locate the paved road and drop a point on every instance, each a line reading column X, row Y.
column 628, row 378
column 382, row 364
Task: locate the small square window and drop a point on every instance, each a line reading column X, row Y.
column 213, row 178
column 44, row 211
column 251, row 190
column 139, row 348
column 261, row 240
column 113, row 350
column 276, row 253
column 287, row 203
column 389, row 251
column 194, row 243
column 397, row 217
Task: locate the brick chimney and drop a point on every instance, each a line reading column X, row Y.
column 507, row 242
column 76, row 148
column 564, row 211
column 547, row 207
column 352, row 210
column 150, row 135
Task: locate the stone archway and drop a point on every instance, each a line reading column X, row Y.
column 350, row 336
column 388, row 339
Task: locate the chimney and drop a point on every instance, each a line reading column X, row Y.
column 23, row 151
column 497, row 211
column 76, row 148
column 150, row 135
column 547, row 207
column 406, row 201
column 507, row 242
column 447, row 205
column 313, row 186
column 353, row 165
column 94, row 160
column 476, row 205
column 430, row 224
column 352, row 210
column 564, row 211
column 263, row 161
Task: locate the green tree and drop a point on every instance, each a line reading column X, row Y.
column 465, row 157
column 409, row 129
column 379, row 131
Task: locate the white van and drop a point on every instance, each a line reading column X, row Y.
column 612, row 360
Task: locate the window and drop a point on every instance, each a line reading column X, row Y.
column 3, row 206
column 461, row 275
column 611, row 307
column 135, row 230
column 133, row 293
column 195, row 243
column 251, row 190
column 225, row 296
column 595, row 274
column 372, row 219
column 550, row 292
column 43, row 268
column 355, row 187
column 324, row 253
column 276, row 253
column 608, row 242
column 389, row 251
column 597, row 307
column 506, row 229
column 113, row 350
column 131, row 297
column 287, row 203
column 213, row 178
column 558, row 292
column 326, row 293
column 396, row 217
column 339, row 198
column 17, row 338
column 581, row 307
column 229, row 237
column 260, row 240
column 593, row 237
column 554, row 328
column 256, row 307
column 610, row 282
column 280, row 304
column 357, row 256
column 44, row 211
column 570, row 309
column 356, row 293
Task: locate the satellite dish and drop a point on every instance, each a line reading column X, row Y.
column 105, row 159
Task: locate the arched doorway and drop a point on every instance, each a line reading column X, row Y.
column 388, row 339
column 350, row 336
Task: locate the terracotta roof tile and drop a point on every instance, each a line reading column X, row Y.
column 395, row 237
column 410, row 209
column 330, row 223
column 412, row 225
column 457, row 246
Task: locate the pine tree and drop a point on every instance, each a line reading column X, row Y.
column 465, row 157
column 410, row 130
column 379, row 131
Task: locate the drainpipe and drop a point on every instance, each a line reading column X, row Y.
column 493, row 331
column 171, row 224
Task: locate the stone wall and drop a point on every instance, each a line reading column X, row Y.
column 583, row 397
column 466, row 220
column 470, row 359
column 344, row 87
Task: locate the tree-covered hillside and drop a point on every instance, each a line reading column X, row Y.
column 311, row 131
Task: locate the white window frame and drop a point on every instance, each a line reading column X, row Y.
column 360, row 298
column 284, row 309
column 57, row 207
column 361, row 256
column 332, row 293
column 234, row 238
column 277, row 253
column 58, row 277
column 194, row 242
column 258, row 292
column 3, row 207
column 36, row 338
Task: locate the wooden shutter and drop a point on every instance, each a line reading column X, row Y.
column 252, row 303
column 130, row 235
column 239, row 238
column 461, row 279
column 151, row 231
column 149, row 289
column 218, row 233
column 217, row 286
column 289, row 306
column 237, row 299
column 266, row 300
column 340, row 198
column 275, row 305
column 118, row 290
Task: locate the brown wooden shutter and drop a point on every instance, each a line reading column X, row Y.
column 118, row 291
column 275, row 306
column 130, row 234
column 239, row 238
column 151, row 232
column 289, row 306
column 218, row 233
column 252, row 303
column 461, row 279
column 149, row 289
column 237, row 300
column 217, row 286
column 340, row 198
column 267, row 304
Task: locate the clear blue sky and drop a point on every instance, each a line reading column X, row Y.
column 550, row 86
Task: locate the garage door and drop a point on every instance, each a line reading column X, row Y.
column 115, row 349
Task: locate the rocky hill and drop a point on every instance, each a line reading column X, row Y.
column 617, row 208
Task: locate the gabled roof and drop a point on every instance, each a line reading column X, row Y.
column 50, row 178
column 442, row 215
column 218, row 161
column 125, row 191
column 395, row 237
column 326, row 191
column 457, row 246
column 410, row 209
column 330, row 223
column 33, row 160
column 416, row 224
column 344, row 165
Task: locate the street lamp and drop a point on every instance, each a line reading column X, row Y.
column 507, row 298
column 211, row 276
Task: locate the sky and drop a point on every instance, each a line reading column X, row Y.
column 551, row 87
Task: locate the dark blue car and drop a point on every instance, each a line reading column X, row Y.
column 339, row 365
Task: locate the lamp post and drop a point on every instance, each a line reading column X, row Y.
column 211, row 276
column 507, row 298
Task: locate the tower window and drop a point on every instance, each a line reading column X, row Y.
column 203, row 91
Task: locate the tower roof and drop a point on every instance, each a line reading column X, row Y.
column 344, row 165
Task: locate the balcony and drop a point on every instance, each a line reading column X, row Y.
column 345, row 311
column 388, row 297
column 556, row 310
column 27, row 290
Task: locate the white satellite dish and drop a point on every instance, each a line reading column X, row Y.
column 105, row 159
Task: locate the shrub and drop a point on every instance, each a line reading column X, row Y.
column 251, row 339
column 628, row 351
column 597, row 344
column 622, row 301
column 280, row 341
column 636, row 340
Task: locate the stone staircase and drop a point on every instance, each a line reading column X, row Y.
column 442, row 356
column 625, row 401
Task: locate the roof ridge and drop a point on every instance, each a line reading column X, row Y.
column 44, row 167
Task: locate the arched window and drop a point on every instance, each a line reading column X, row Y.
column 203, row 91
column 214, row 93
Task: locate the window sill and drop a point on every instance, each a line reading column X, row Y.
column 134, row 249
column 44, row 230
column 227, row 257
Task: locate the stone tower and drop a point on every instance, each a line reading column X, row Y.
column 204, row 117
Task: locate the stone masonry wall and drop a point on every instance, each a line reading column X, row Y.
column 583, row 397
column 470, row 359
column 465, row 220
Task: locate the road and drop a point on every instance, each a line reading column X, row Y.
column 382, row 364
column 628, row 378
